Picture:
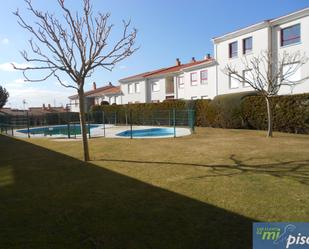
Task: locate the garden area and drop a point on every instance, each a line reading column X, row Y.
column 199, row 191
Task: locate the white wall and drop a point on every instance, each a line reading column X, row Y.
column 74, row 105
column 133, row 97
column 156, row 95
column 199, row 90
column 259, row 43
column 302, row 47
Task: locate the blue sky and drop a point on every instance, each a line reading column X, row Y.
column 167, row 29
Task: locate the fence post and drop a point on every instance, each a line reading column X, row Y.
column 88, row 116
column 103, row 121
column 74, row 126
column 68, row 124
column 115, row 118
column 193, row 120
column 131, row 125
column 174, row 121
column 28, row 128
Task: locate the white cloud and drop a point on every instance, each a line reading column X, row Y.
column 123, row 67
column 5, row 41
column 19, row 81
column 8, row 67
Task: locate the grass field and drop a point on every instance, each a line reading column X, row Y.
column 200, row 192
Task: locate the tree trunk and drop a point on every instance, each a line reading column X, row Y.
column 269, row 118
column 83, row 126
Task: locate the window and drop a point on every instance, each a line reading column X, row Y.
column 181, row 82
column 137, row 88
column 234, row 83
column 290, row 35
column 170, row 97
column 193, row 79
column 155, row 86
column 247, row 45
column 233, row 47
column 247, row 74
column 291, row 73
column 131, row 88
column 194, row 97
column 204, row 97
column 204, row 77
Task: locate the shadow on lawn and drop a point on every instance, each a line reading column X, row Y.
column 50, row 200
column 296, row 170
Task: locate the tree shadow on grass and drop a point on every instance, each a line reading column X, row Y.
column 296, row 170
column 50, row 200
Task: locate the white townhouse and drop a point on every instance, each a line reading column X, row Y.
column 96, row 96
column 206, row 79
column 288, row 33
column 193, row 80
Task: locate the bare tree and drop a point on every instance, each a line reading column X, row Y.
column 267, row 73
column 73, row 45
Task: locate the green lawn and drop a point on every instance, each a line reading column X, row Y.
column 200, row 192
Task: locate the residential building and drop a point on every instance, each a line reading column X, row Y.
column 205, row 79
column 289, row 33
column 96, row 96
column 182, row 81
column 33, row 111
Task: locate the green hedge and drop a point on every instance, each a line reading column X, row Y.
column 145, row 113
column 224, row 111
column 237, row 111
column 290, row 113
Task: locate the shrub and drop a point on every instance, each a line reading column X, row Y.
column 290, row 113
column 202, row 112
column 225, row 110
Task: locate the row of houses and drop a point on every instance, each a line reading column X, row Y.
column 33, row 111
column 205, row 79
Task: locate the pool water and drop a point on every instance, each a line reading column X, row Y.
column 151, row 132
column 57, row 130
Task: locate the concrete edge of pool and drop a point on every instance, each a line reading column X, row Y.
column 111, row 131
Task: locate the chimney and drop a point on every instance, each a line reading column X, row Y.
column 49, row 107
column 94, row 86
column 110, row 84
column 193, row 59
column 207, row 57
column 178, row 62
column 44, row 107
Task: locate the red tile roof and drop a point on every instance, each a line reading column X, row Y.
column 114, row 90
column 167, row 70
column 98, row 91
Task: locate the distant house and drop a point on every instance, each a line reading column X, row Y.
column 110, row 93
column 193, row 80
column 34, row 111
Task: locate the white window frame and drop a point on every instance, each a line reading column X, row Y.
column 192, row 80
column 204, row 81
column 181, row 82
column 244, row 84
column 155, row 86
column 131, row 87
column 137, row 87
column 232, row 81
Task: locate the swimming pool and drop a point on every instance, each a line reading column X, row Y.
column 151, row 132
column 57, row 130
